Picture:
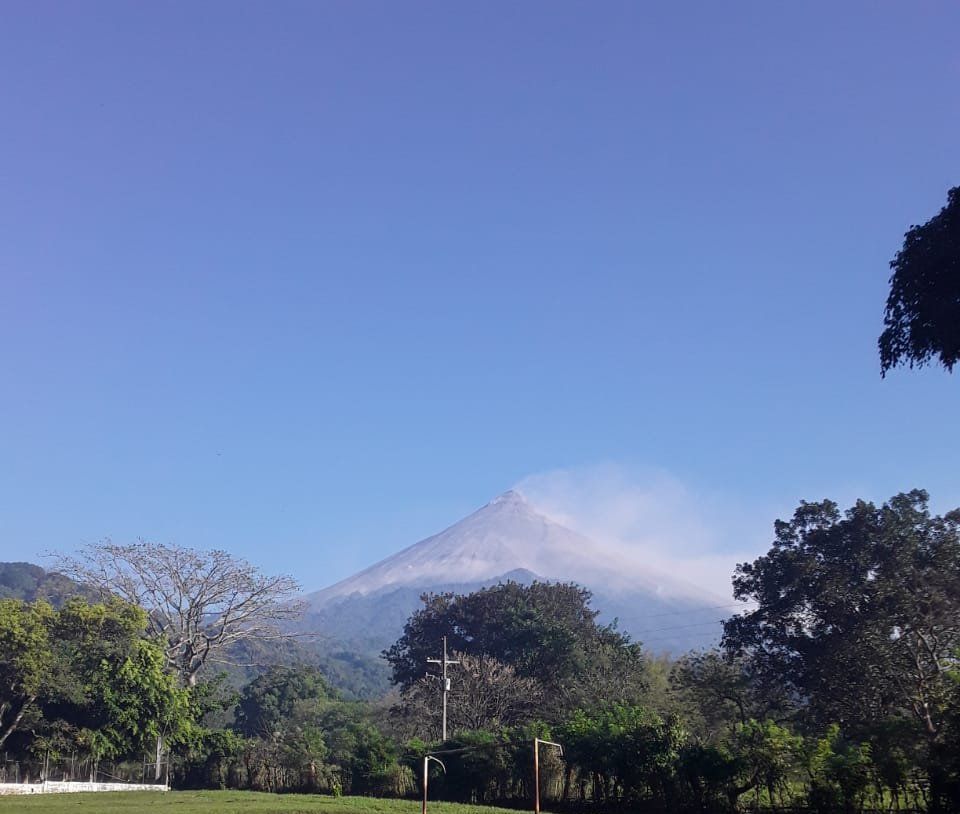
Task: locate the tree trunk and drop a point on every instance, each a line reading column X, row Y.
column 10, row 728
column 157, row 773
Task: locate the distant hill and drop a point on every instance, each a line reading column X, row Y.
column 29, row 582
column 355, row 673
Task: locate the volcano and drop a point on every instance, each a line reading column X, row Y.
column 508, row 539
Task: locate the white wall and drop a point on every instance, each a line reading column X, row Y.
column 57, row 787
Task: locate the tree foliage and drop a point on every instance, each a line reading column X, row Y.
column 922, row 319
column 292, row 734
column 546, row 632
column 628, row 753
column 25, row 659
column 88, row 676
column 858, row 620
column 858, row 614
column 720, row 692
column 272, row 698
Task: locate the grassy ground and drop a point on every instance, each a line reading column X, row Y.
column 230, row 802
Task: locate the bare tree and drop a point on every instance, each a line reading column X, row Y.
column 485, row 694
column 489, row 694
column 199, row 602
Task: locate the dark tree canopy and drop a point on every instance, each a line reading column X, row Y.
column 543, row 631
column 274, row 696
column 858, row 613
column 922, row 320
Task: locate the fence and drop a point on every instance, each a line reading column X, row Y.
column 79, row 773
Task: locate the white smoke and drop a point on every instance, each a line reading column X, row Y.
column 653, row 517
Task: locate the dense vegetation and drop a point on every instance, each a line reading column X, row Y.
column 837, row 692
column 84, row 679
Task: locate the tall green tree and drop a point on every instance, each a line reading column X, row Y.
column 922, row 319
column 113, row 685
column 858, row 613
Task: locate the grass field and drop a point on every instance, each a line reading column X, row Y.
column 230, row 802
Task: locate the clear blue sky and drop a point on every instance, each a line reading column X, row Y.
column 309, row 281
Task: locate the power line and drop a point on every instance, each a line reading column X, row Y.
column 500, row 744
column 678, row 627
column 697, row 610
column 665, row 641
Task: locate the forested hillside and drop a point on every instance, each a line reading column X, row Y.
column 23, row 580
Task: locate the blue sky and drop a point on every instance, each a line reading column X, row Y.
column 310, row 281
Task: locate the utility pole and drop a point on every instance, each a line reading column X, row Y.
column 536, row 770
column 443, row 661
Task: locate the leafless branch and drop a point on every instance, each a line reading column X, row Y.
column 199, row 602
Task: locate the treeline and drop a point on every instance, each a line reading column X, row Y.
column 288, row 731
column 839, row 692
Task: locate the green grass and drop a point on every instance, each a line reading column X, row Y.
column 230, row 802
